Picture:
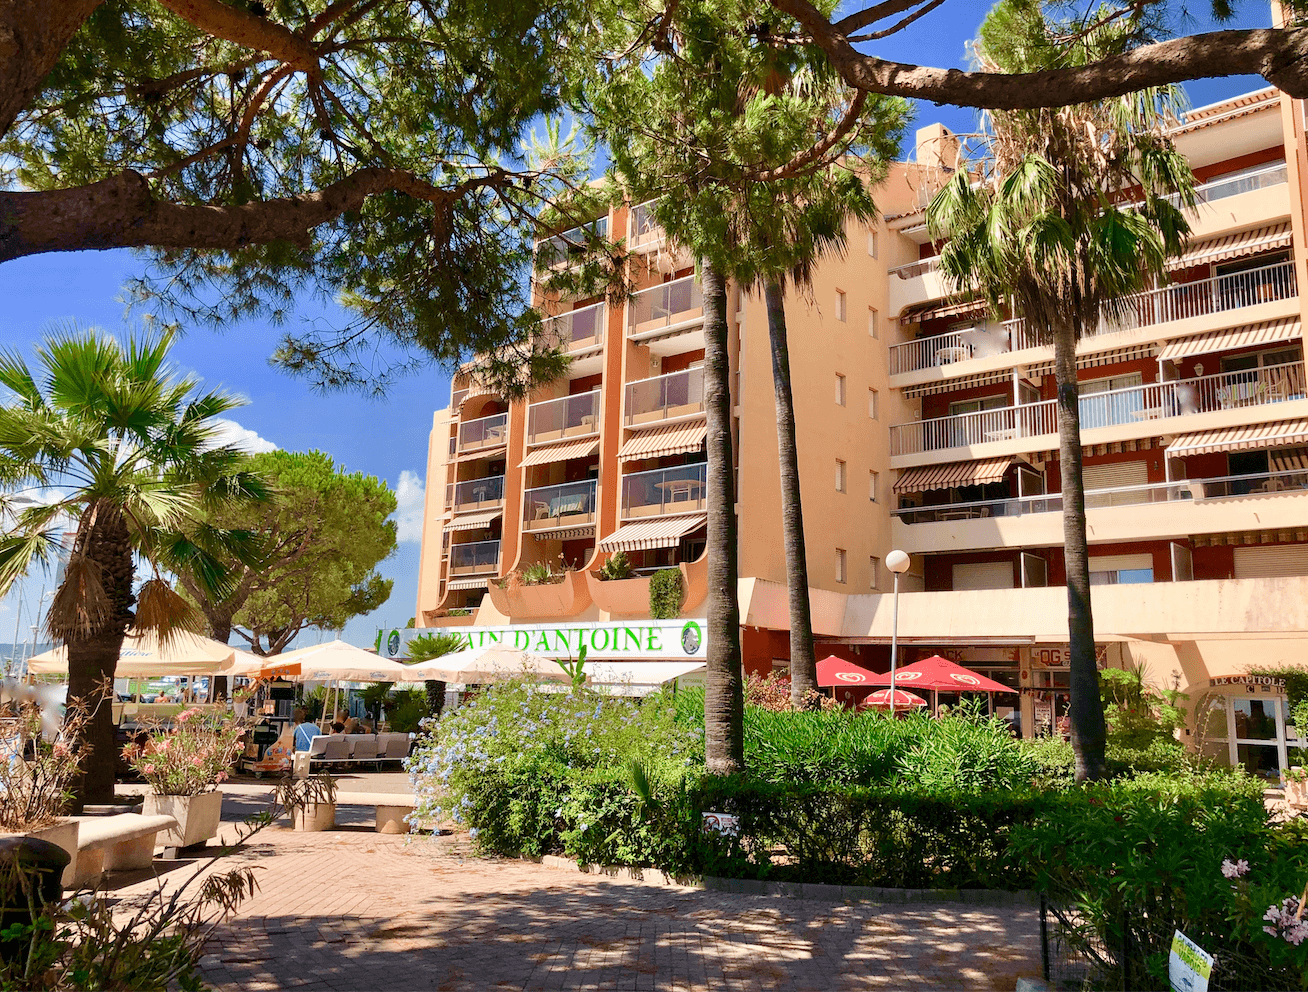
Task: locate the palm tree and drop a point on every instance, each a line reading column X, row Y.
column 425, row 647
column 1045, row 226
column 129, row 449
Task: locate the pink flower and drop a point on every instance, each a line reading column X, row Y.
column 148, row 769
column 222, row 776
column 197, row 761
column 1237, row 869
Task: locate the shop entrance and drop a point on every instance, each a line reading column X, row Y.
column 1258, row 732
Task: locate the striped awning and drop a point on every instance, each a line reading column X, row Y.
column 1248, row 336
column 1093, row 359
column 472, row 456
column 673, row 440
column 1289, row 460
column 561, row 452
column 563, row 533
column 952, row 475
column 474, row 521
column 473, row 583
column 650, row 534
column 1275, row 434
column 919, row 314
column 958, row 382
column 1236, row 245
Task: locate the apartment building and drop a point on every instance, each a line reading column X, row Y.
column 927, row 425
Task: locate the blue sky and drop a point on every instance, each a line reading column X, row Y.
column 386, row 437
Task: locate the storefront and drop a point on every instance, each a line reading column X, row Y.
column 1246, row 720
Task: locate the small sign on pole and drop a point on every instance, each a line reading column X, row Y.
column 723, row 823
column 1189, row 966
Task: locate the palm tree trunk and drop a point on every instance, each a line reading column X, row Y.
column 92, row 659
column 803, row 659
column 1086, row 712
column 724, row 707
column 220, row 629
column 435, row 690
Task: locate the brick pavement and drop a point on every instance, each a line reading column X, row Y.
column 353, row 910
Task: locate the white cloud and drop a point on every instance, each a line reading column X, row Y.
column 230, row 432
column 409, row 497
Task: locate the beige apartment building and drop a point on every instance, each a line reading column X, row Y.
column 928, row 426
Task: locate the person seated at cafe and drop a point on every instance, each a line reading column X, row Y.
column 352, row 725
column 304, row 730
column 338, row 728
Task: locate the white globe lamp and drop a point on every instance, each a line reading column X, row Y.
column 897, row 562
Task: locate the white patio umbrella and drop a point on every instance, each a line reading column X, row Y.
column 487, row 664
column 143, row 655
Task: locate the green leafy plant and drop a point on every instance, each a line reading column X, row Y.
column 576, row 670
column 189, row 758
column 458, row 612
column 406, row 709
column 297, row 793
column 616, row 568
column 426, row 647
column 665, row 594
column 37, row 769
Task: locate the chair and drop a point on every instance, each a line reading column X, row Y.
column 318, row 746
column 397, row 748
column 365, row 748
column 338, row 748
column 354, row 740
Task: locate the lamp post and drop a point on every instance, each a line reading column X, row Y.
column 897, row 562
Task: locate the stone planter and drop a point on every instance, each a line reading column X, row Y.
column 1296, row 791
column 547, row 602
column 314, row 817
column 197, row 817
column 63, row 834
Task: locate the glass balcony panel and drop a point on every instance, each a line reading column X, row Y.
column 568, row 504
column 474, row 558
column 558, row 251
column 475, row 494
column 485, row 432
column 677, row 394
column 664, row 491
column 576, row 329
column 567, row 416
column 645, row 231
column 665, row 305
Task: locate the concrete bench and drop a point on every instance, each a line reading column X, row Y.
column 116, row 843
column 391, row 809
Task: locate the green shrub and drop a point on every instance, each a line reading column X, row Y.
column 665, row 594
column 616, row 568
column 406, row 710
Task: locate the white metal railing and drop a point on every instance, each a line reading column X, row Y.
column 666, row 304
column 567, row 416
column 1219, row 189
column 946, row 349
column 563, row 505
column 677, row 394
column 679, row 489
column 1133, row 404
column 483, row 432
column 576, row 329
column 477, row 556
column 1194, row 490
column 919, row 268
column 558, row 250
column 644, row 232
column 475, row 494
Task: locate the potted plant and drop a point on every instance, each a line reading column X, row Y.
column 311, row 801
column 1296, row 786
column 184, row 765
column 241, row 700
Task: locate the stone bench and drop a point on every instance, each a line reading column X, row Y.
column 116, row 843
column 391, row 809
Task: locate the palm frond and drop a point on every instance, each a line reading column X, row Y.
column 80, row 605
column 164, row 613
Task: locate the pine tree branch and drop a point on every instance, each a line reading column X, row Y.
column 249, row 30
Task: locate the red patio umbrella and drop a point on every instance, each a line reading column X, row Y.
column 837, row 671
column 941, row 675
column 903, row 700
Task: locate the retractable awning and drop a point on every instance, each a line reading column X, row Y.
column 472, row 456
column 672, row 440
column 1276, row 434
column 1248, row 336
column 952, row 475
column 1236, row 245
column 474, row 521
column 1289, row 460
column 561, row 452
column 916, row 315
column 475, row 583
column 651, row 534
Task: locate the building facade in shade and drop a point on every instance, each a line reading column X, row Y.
column 928, row 425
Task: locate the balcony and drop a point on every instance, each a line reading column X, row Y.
column 475, row 494
column 664, row 491
column 664, row 308
column 567, row 416
column 1135, row 405
column 559, row 507
column 644, row 234
column 1183, row 301
column 477, row 558
column 485, row 432
column 558, row 251
column 575, row 331
column 665, row 397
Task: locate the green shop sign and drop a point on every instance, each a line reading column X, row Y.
column 665, row 640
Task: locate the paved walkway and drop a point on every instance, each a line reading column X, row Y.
column 353, row 910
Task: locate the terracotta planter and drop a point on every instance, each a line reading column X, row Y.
column 197, row 817
column 1296, row 792
column 63, row 834
column 547, row 602
column 314, row 817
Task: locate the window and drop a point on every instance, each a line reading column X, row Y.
column 841, row 576
column 840, row 476
column 872, row 242
column 974, row 406
column 873, row 331
column 872, row 403
column 873, row 480
column 874, row 572
column 1112, row 570
column 840, row 389
column 840, row 305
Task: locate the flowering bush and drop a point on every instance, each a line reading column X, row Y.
column 38, row 764
column 772, row 693
column 189, row 758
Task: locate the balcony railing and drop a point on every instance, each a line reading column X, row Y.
column 645, row 231
column 485, row 432
column 575, row 330
column 666, row 305
column 457, row 397
column 474, row 558
column 1220, row 189
column 1194, row 490
column 919, row 268
column 570, row 504
column 664, row 491
column 557, row 251
column 475, row 494
column 567, row 416
column 1134, row 404
column 677, row 394
column 1156, row 306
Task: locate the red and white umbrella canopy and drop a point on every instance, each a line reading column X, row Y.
column 839, row 672
column 942, row 675
column 903, row 700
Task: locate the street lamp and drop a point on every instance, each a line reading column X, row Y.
column 897, row 562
